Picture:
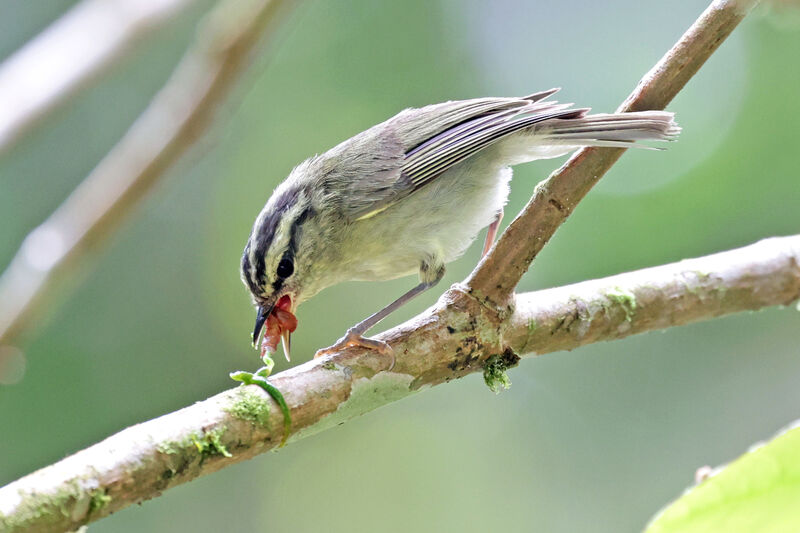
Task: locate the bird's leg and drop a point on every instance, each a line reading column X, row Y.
column 491, row 233
column 355, row 335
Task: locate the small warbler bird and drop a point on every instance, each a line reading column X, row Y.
column 408, row 196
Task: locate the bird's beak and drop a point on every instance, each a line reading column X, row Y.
column 285, row 323
column 261, row 316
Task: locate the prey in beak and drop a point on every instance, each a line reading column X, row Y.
column 280, row 323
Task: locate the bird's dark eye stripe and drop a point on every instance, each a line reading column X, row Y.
column 295, row 231
column 286, row 265
column 266, row 232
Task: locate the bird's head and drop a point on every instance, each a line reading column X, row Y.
column 275, row 264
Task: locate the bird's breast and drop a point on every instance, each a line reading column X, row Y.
column 433, row 225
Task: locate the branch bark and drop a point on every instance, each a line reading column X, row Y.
column 454, row 338
column 555, row 198
column 67, row 55
column 176, row 118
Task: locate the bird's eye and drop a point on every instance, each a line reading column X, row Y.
column 285, row 268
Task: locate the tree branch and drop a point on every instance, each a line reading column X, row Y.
column 452, row 339
column 68, row 54
column 555, row 198
column 178, row 115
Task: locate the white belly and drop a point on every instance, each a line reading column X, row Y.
column 435, row 224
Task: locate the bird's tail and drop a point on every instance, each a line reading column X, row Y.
column 612, row 129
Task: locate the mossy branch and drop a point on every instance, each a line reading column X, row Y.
column 454, row 338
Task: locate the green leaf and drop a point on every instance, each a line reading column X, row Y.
column 757, row 493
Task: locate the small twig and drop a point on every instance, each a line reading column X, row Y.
column 67, row 55
column 178, row 115
column 453, row 339
column 556, row 198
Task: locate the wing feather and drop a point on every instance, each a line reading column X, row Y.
column 437, row 137
column 457, row 144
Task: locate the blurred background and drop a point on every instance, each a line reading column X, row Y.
column 594, row 440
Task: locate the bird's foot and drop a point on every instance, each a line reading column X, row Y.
column 355, row 339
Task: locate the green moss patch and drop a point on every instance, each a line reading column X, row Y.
column 98, row 500
column 625, row 299
column 494, row 370
column 209, row 444
column 250, row 406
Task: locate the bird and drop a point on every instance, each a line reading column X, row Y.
column 407, row 196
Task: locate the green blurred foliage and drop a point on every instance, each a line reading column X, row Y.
column 595, row 440
column 757, row 493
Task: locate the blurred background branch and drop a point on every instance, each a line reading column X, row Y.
column 65, row 57
column 451, row 340
column 178, row 115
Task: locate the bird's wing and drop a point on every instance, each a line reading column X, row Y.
column 435, row 138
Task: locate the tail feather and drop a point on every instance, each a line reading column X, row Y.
column 618, row 129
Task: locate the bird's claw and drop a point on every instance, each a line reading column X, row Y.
column 353, row 340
